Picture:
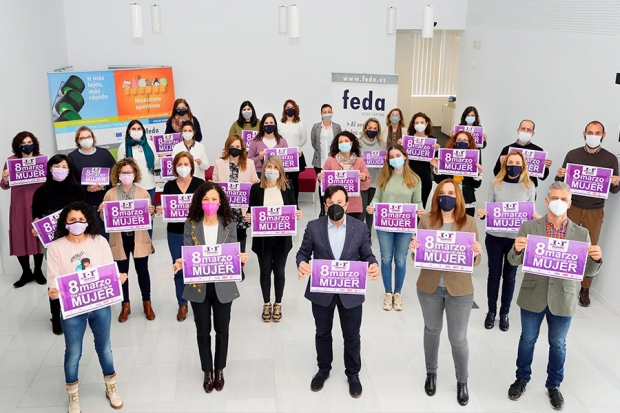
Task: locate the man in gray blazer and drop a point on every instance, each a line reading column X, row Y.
column 553, row 298
column 341, row 237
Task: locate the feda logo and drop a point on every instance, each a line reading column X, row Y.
column 446, row 237
column 510, row 206
column 212, row 250
column 274, row 211
column 556, row 244
column 589, row 170
column 126, row 205
column 395, row 208
column 340, row 265
column 367, row 103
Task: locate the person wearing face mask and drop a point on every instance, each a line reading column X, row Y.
column 182, row 113
column 336, row 237
column 197, row 149
column 21, row 243
column 397, row 184
column 210, row 221
column 267, row 137
column 293, row 130
column 444, row 291
column 511, row 184
column 394, row 128
column 272, row 252
column 524, row 141
column 467, row 184
column 345, row 154
column 545, row 297
column 422, row 127
column 185, row 183
column 370, row 141
column 470, row 117
column 77, row 241
column 59, row 190
column 233, row 166
column 87, row 155
column 125, row 176
column 246, row 120
column 321, row 136
column 585, row 211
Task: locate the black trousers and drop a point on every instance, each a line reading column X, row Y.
column 350, row 322
column 142, row 269
column 221, row 323
column 273, row 259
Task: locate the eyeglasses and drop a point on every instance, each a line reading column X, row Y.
column 126, row 173
column 84, row 137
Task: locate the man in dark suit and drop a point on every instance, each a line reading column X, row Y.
column 336, row 237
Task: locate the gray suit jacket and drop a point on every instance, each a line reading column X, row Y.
column 315, row 139
column 537, row 291
column 226, row 291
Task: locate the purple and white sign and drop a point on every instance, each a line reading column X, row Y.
column 46, row 227
column 396, row 217
column 419, row 148
column 167, row 168
column 338, row 277
column 555, row 257
column 374, row 159
column 445, row 250
column 348, row 179
column 535, row 161
column 508, row 216
column 25, row 171
column 89, row 290
column 211, row 263
column 289, row 157
column 96, row 176
column 248, row 136
column 125, row 216
column 461, row 162
column 590, row 181
column 165, row 143
column 238, row 193
column 477, row 132
column 273, row 221
column 176, row 207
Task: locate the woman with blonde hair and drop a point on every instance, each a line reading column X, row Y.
column 512, row 184
column 272, row 252
column 396, row 183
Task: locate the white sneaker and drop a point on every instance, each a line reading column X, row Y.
column 387, row 302
column 74, row 397
column 111, row 393
column 398, row 302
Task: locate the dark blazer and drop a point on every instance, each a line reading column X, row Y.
column 257, row 199
column 316, row 244
column 538, row 292
column 226, row 291
column 315, row 139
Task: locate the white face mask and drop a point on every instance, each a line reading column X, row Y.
column 420, row 127
column 183, row 171
column 593, row 141
column 188, row 135
column 524, row 137
column 136, row 135
column 558, row 207
column 86, row 143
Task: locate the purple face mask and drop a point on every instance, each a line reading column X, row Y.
column 60, row 174
column 126, row 179
column 77, row 228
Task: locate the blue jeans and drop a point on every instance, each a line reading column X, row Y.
column 500, row 269
column 394, row 247
column 530, row 327
column 74, row 329
column 175, row 242
column 152, row 194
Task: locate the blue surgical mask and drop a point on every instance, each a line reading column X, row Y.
column 395, row 119
column 397, row 162
column 344, row 147
column 470, row 120
column 461, row 145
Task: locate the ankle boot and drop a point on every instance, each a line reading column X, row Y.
column 110, row 392
column 24, row 279
column 39, row 277
column 462, row 393
column 148, row 310
column 125, row 311
column 182, row 313
column 74, row 397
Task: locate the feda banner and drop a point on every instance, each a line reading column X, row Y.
column 359, row 96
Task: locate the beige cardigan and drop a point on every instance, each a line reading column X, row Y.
column 142, row 239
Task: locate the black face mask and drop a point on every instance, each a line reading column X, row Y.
column 269, row 129
column 290, row 112
column 27, row 149
column 234, row 152
column 461, row 145
column 446, row 202
column 335, row 212
column 181, row 112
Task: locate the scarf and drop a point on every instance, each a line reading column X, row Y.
column 346, row 164
column 177, row 121
column 458, row 179
column 146, row 149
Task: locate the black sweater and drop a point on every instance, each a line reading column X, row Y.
column 54, row 196
column 102, row 158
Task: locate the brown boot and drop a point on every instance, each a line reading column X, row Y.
column 125, row 311
column 148, row 310
column 182, row 314
column 584, row 297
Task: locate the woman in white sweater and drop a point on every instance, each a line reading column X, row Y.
column 142, row 150
column 293, row 130
column 197, row 149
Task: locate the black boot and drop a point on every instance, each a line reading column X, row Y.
column 55, row 310
column 38, row 274
column 24, row 262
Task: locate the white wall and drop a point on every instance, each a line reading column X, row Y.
column 33, row 43
column 557, row 69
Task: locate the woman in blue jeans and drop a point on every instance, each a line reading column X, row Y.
column 512, row 184
column 186, row 183
column 396, row 184
column 77, row 244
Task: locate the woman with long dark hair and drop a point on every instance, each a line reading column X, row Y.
column 181, row 112
column 246, row 120
column 422, row 127
column 470, row 117
column 267, row 137
column 292, row 128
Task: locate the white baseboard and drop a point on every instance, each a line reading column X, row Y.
column 605, row 302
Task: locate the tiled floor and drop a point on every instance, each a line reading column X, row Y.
column 270, row 365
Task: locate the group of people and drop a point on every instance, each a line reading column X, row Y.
column 345, row 221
